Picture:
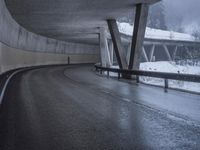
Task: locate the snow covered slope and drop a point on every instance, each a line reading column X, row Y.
column 127, row 29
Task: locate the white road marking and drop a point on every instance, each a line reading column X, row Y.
column 6, row 84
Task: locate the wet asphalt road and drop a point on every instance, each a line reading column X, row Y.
column 66, row 108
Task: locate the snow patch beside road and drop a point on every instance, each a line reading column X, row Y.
column 171, row 67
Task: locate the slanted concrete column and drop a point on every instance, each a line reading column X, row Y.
column 0, row 58
column 110, row 46
column 128, row 53
column 152, row 53
column 167, row 52
column 105, row 54
column 138, row 35
column 175, row 52
column 188, row 51
column 117, row 43
column 144, row 54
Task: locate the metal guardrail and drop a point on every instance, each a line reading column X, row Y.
column 163, row 75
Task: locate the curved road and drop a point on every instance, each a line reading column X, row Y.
column 61, row 108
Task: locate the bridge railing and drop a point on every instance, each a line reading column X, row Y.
column 138, row 73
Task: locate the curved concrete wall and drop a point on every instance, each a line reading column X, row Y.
column 12, row 34
column 11, row 58
column 19, row 47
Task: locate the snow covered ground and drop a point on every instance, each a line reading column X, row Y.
column 164, row 66
column 127, row 29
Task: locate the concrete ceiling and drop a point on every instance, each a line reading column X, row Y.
column 69, row 20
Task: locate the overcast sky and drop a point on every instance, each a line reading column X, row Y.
column 185, row 13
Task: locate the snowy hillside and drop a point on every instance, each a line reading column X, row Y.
column 127, row 29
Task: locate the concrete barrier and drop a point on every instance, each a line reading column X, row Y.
column 11, row 58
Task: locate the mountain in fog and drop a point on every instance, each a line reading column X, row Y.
column 183, row 15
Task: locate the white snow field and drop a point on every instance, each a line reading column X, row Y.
column 127, row 29
column 165, row 66
column 171, row 67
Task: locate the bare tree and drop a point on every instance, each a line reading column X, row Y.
column 196, row 34
column 157, row 17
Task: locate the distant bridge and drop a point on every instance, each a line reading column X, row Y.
column 169, row 46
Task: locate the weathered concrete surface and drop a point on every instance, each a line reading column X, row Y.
column 16, row 36
column 138, row 35
column 11, row 58
column 69, row 20
column 18, row 47
column 50, row 26
column 117, row 43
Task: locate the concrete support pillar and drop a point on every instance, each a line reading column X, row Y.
column 138, row 35
column 167, row 52
column 117, row 43
column 152, row 53
column 175, row 52
column 188, row 51
column 128, row 53
column 144, row 54
column 0, row 58
column 105, row 54
column 110, row 46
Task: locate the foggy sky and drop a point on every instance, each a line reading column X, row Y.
column 185, row 13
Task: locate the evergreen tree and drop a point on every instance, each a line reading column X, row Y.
column 157, row 17
column 128, row 19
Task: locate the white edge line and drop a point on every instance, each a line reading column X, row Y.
column 6, row 84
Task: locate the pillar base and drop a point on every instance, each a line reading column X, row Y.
column 127, row 76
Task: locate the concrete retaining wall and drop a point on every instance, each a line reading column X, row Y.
column 11, row 58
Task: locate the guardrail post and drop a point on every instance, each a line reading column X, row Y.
column 108, row 74
column 68, row 60
column 118, row 75
column 101, row 72
column 166, row 85
column 137, row 79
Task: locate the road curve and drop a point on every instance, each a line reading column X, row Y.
column 71, row 107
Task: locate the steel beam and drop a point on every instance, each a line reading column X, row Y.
column 117, row 43
column 138, row 35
